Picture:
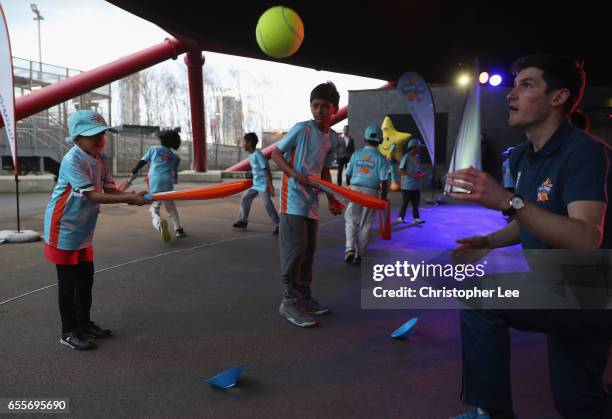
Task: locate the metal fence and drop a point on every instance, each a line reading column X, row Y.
column 126, row 150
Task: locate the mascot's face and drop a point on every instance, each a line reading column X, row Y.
column 392, row 137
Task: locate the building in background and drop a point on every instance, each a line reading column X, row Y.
column 40, row 137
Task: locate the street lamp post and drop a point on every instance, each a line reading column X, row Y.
column 38, row 17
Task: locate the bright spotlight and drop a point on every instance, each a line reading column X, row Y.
column 484, row 77
column 463, row 80
column 495, row 80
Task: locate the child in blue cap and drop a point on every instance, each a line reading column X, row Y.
column 84, row 182
column 367, row 172
column 163, row 164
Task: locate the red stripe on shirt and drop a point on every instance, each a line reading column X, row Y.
column 56, row 219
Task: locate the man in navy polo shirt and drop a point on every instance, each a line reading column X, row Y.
column 560, row 202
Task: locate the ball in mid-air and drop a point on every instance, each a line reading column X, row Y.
column 279, row 32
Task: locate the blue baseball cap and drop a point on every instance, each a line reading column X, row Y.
column 373, row 133
column 86, row 123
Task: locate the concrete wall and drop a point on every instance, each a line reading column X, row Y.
column 28, row 183
column 371, row 106
column 126, row 151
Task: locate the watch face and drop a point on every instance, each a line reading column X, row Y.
column 517, row 202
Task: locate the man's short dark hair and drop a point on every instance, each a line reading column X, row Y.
column 326, row 91
column 251, row 138
column 559, row 72
column 170, row 138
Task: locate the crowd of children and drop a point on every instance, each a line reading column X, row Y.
column 85, row 182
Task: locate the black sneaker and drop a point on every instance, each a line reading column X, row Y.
column 93, row 330
column 275, row 232
column 240, row 225
column 312, row 306
column 180, row 233
column 357, row 261
column 291, row 310
column 75, row 341
column 349, row 257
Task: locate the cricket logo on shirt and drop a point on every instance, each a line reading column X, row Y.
column 545, row 189
column 366, row 165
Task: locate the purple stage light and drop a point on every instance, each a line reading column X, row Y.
column 495, row 80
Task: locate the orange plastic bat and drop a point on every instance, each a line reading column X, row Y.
column 361, row 199
column 220, row 190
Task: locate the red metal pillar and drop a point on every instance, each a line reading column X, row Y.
column 195, row 60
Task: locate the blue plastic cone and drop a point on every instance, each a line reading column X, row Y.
column 405, row 330
column 227, row 378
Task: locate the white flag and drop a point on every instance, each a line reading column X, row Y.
column 7, row 92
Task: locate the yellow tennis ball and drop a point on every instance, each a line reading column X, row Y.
column 279, row 32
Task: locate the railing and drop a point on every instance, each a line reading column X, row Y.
column 43, row 130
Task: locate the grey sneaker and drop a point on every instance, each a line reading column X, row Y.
column 291, row 310
column 312, row 306
column 418, row 221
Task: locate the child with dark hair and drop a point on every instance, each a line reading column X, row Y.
column 560, row 202
column 307, row 149
column 163, row 165
column 262, row 185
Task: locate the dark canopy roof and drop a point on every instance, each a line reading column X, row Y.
column 383, row 38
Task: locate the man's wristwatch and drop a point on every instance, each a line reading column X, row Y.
column 516, row 203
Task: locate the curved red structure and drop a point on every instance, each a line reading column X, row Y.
column 66, row 89
column 89, row 80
